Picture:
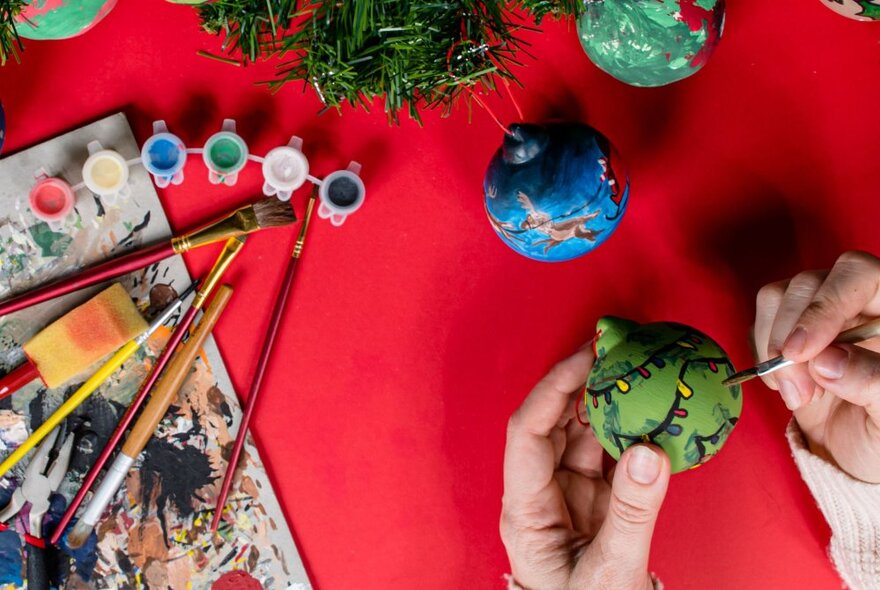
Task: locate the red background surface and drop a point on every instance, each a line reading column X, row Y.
column 414, row 332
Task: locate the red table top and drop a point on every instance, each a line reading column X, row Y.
column 413, row 332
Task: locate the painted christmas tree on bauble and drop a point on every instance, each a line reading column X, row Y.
column 554, row 192
column 651, row 42
column 61, row 19
column 863, row 10
column 661, row 383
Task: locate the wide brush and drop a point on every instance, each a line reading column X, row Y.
column 91, row 385
column 263, row 214
column 164, row 393
column 230, row 251
column 265, row 354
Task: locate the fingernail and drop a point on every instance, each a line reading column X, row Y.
column 831, row 362
column 796, row 342
column 643, row 465
column 790, row 395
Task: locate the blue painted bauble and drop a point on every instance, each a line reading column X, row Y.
column 554, row 192
column 2, row 126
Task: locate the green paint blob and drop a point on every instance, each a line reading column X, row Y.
column 661, row 383
column 51, row 243
column 651, row 42
column 61, row 19
column 226, row 154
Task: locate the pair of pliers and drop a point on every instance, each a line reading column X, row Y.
column 36, row 489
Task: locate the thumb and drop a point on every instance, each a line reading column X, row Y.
column 851, row 373
column 637, row 491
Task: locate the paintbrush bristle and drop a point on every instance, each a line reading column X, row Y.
column 740, row 377
column 273, row 213
column 79, row 535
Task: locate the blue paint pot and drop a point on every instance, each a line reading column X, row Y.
column 164, row 156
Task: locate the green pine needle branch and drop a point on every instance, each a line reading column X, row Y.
column 10, row 42
column 413, row 54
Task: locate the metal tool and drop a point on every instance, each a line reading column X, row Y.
column 36, row 489
column 851, row 336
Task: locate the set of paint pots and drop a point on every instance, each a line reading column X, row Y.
column 225, row 154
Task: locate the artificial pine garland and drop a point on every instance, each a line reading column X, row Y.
column 411, row 53
column 10, row 42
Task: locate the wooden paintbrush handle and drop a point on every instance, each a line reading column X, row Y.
column 110, row 269
column 860, row 333
column 172, row 379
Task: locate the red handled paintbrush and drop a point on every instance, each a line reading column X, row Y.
column 263, row 214
column 265, row 353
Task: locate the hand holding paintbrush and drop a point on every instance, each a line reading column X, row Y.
column 263, row 214
column 164, row 394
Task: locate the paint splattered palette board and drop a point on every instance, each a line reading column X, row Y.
column 155, row 533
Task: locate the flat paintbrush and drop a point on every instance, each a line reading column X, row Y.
column 266, row 352
column 230, row 250
column 164, row 393
column 91, row 384
column 263, row 214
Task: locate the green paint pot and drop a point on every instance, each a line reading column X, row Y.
column 661, row 383
column 225, row 154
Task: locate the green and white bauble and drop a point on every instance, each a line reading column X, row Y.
column 61, row 19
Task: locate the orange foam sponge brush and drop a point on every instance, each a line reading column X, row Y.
column 78, row 340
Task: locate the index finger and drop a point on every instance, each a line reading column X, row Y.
column 851, row 289
column 529, row 458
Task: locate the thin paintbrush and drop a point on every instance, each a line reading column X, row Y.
column 851, row 336
column 164, row 393
column 89, row 387
column 266, row 352
column 263, row 214
column 230, row 250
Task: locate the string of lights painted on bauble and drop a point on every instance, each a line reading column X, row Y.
column 863, row 10
column 651, row 42
column 61, row 19
column 661, row 383
column 555, row 192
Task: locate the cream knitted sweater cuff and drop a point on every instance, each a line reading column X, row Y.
column 852, row 509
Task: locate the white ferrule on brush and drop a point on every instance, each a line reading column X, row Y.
column 105, row 492
column 163, row 317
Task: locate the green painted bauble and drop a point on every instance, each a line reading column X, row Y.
column 863, row 10
column 661, row 383
column 651, row 42
column 61, row 19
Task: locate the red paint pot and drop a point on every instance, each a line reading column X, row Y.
column 51, row 199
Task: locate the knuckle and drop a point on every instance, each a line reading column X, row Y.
column 858, row 258
column 805, row 282
column 630, row 514
column 770, row 296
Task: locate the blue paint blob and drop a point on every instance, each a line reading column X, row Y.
column 164, row 155
column 10, row 558
column 86, row 557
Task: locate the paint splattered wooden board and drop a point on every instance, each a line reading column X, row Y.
column 154, row 535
